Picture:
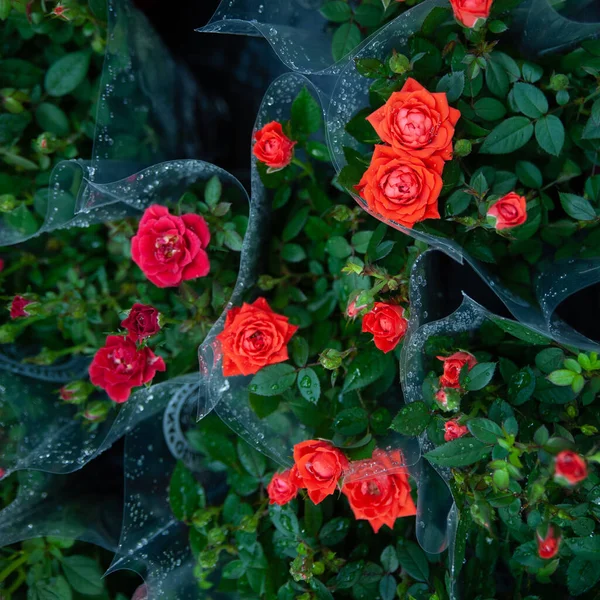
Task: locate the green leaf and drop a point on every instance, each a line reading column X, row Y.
column 306, row 113
column 294, row 226
column 318, row 150
column 298, row 348
column 549, row 359
column 530, row 100
column 233, row 240
column 234, row 569
column 55, row 588
column 457, row 203
column 293, row 253
column 213, row 191
column 521, row 332
column 550, row 134
column 485, row 430
column 577, row 207
column 561, row 377
column 582, row 575
column 66, row 73
column 368, row 15
column 387, row 587
column 345, row 39
column 285, row 520
column 84, row 574
column 51, row 118
column 458, row 453
column 586, row 547
column 334, row 531
column 338, row 246
column 19, row 73
column 360, row 129
column 351, row 421
column 496, row 77
column 12, row 127
column 412, row 419
column 479, row 376
column 370, row 67
column 273, row 380
column 336, row 11
column 508, row 136
column 489, row 109
column 184, row 493
column 452, row 84
column 253, row 461
column 313, row 517
column 413, row 560
column 521, row 386
column 309, row 385
column 532, row 72
column 365, row 369
column 263, row 406
column 389, row 559
column 21, row 219
column 529, row 175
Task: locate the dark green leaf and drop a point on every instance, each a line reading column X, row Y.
column 489, row 109
column 521, row 331
column 66, row 73
column 510, row 135
column 582, row 575
column 84, row 574
column 345, row 39
column 351, row 421
column 334, row 531
column 336, row 11
column 309, row 386
column 577, row 207
column 306, row 113
column 458, row 453
column 273, row 380
column 479, row 376
column 413, row 560
column 530, row 100
column 550, row 134
column 453, row 84
column 484, row 430
column 412, row 419
column 184, row 493
column 529, row 175
column 253, row 461
column 365, row 369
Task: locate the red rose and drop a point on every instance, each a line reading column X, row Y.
column 254, row 336
column 402, row 187
column 65, row 394
column 509, row 211
column 120, row 366
column 283, row 487
column 1, row 264
column 569, row 467
column 452, row 367
column 379, row 498
column 17, row 307
column 387, row 324
column 2, row 473
column 141, row 322
column 170, row 249
column 548, row 544
column 453, row 431
column 273, row 147
column 416, row 122
column 468, row 11
column 319, row 466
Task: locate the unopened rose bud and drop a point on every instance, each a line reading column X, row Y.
column 61, row 12
column 7, row 202
column 341, row 213
column 559, row 82
column 330, row 359
column 463, row 148
column 569, row 468
column 448, row 399
column 399, row 63
column 45, row 143
column 267, row 283
column 548, row 541
column 76, row 392
column 216, row 536
column 96, row 411
column 208, row 559
column 318, row 568
column 501, row 479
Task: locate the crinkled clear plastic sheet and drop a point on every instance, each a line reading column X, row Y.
column 287, row 27
column 542, row 29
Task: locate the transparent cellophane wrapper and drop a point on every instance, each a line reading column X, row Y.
column 141, row 85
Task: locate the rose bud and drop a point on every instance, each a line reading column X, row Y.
column 1, row 264
column 548, row 542
column 387, row 324
column 283, row 487
column 453, row 365
column 569, row 468
column 510, row 211
column 453, row 431
column 360, row 302
column 96, row 411
column 319, row 467
column 272, row 147
column 468, row 12
column 75, row 392
column 141, row 322
column 17, row 307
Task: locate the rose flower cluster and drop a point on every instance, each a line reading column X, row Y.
column 377, row 489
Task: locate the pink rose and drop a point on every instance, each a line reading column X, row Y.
column 170, row 249
column 453, row 431
column 17, row 307
column 509, row 211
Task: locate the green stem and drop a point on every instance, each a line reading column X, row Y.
column 306, row 168
column 13, row 567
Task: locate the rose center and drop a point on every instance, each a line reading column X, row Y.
column 508, row 211
column 400, row 185
column 370, row 488
column 166, row 247
column 271, row 146
column 385, row 324
column 121, row 361
column 416, row 127
column 255, row 342
column 321, row 468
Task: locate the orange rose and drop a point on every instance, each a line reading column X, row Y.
column 468, row 11
column 283, row 487
column 273, row 147
column 509, row 211
column 387, row 324
column 401, row 187
column 319, row 466
column 452, row 367
column 379, row 498
column 254, row 336
column 417, row 122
